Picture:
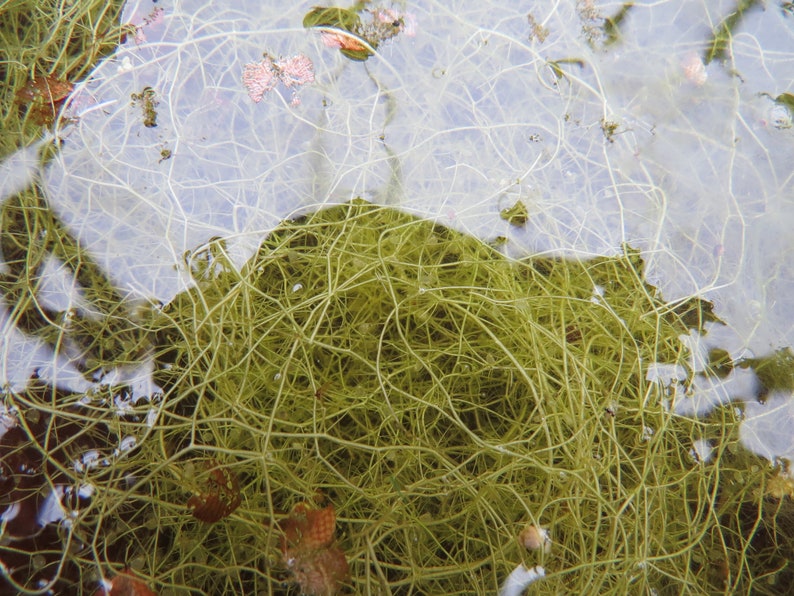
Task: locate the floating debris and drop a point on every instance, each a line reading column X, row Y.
column 535, row 538
column 694, row 69
column 517, row 215
column 147, row 100
column 262, row 77
column 124, row 584
column 155, row 17
column 520, row 579
column 45, row 96
column 357, row 39
column 536, row 30
column 610, row 129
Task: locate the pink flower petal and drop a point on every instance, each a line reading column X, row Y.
column 259, row 78
column 296, row 71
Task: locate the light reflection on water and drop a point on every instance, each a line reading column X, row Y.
column 455, row 124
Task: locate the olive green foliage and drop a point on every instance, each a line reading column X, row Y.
column 719, row 44
column 775, row 371
column 40, row 38
column 47, row 40
column 441, row 396
column 102, row 336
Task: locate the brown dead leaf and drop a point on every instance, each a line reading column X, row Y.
column 45, row 95
column 46, row 88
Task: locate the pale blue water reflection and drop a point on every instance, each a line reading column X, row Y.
column 638, row 141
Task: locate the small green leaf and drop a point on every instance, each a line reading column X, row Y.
column 357, row 55
column 612, row 24
column 556, row 65
column 341, row 18
column 517, row 215
column 786, row 99
column 348, row 22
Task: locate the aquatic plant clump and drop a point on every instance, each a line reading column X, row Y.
column 379, row 404
column 441, row 397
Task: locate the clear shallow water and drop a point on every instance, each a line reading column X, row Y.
column 639, row 142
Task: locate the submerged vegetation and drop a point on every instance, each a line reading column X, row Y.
column 720, row 42
column 47, row 47
column 374, row 404
column 379, row 402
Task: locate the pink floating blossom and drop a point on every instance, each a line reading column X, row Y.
column 259, row 78
column 295, row 71
column 263, row 76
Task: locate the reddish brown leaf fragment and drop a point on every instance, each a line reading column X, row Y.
column 45, row 96
column 219, row 497
column 125, row 585
column 317, row 565
column 46, row 88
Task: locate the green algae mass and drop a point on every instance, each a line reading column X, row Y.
column 441, row 397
